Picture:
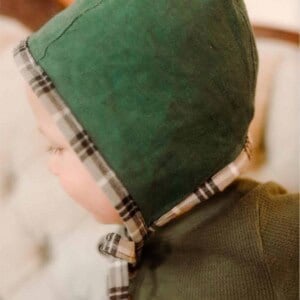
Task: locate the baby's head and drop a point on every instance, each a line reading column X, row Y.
column 65, row 164
column 147, row 102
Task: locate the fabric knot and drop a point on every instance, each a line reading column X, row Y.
column 114, row 244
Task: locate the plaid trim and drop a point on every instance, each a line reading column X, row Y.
column 117, row 280
column 80, row 142
column 206, row 190
column 125, row 250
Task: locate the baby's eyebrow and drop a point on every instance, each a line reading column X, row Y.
column 42, row 132
column 55, row 143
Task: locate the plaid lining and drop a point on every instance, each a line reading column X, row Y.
column 124, row 250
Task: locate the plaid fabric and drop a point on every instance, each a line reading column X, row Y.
column 216, row 183
column 116, row 246
column 113, row 244
column 122, row 249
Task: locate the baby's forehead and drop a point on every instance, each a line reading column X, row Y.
column 45, row 122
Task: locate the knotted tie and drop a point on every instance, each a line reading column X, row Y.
column 123, row 254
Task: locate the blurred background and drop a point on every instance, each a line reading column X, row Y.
column 47, row 242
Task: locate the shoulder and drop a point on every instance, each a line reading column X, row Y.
column 265, row 194
column 278, row 229
column 234, row 231
column 276, row 209
column 272, row 199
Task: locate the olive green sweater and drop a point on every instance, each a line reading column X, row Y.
column 241, row 244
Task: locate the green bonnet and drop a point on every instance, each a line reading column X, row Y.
column 155, row 97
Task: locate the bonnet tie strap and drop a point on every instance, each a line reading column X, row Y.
column 123, row 255
column 115, row 245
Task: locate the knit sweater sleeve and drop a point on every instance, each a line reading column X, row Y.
column 279, row 230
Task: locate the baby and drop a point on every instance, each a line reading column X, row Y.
column 146, row 106
column 65, row 164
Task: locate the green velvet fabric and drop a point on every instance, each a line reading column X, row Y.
column 164, row 88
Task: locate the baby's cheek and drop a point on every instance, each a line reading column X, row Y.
column 74, row 186
column 73, row 178
column 83, row 189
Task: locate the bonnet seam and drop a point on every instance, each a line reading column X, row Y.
column 67, row 28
